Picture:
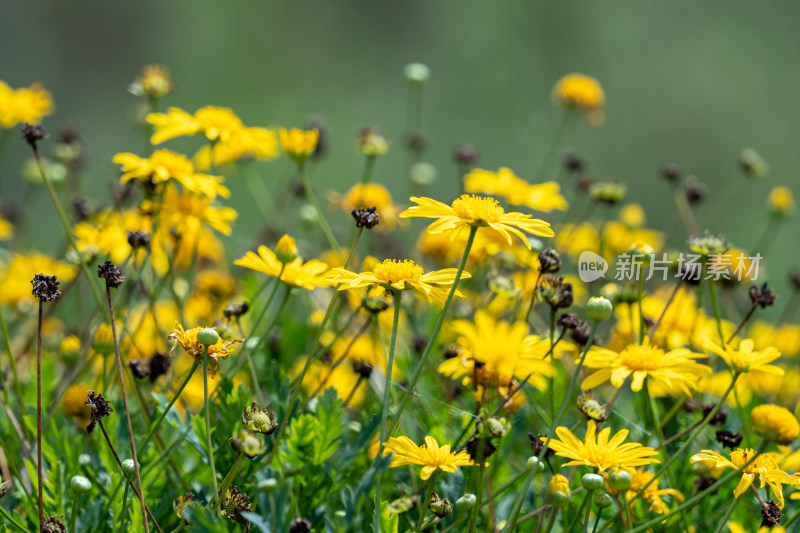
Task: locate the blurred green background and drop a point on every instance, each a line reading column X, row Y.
column 687, row 82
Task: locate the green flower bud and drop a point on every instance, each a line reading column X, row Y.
column 534, row 463
column 248, row 443
column 128, row 466
column 466, row 502
column 592, row 481
column 267, row 485
column 84, row 459
column 207, row 337
column 80, row 484
column 307, row 214
column 599, row 308
column 417, row 73
column 558, row 499
column 620, row 480
column 423, row 174
column 603, row 500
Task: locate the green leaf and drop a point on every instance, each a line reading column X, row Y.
column 330, row 417
column 300, row 441
column 388, row 523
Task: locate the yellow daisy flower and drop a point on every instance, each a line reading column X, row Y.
column 256, row 143
column 187, row 339
column 164, row 165
column 516, row 191
column 476, row 211
column 675, row 369
column 765, row 467
column 187, row 212
column 155, row 82
column 293, row 271
column 430, row 455
column 216, row 123
column 745, row 358
column 400, row 275
column 298, row 144
column 775, row 424
column 652, row 494
column 24, row 105
column 598, row 451
column 581, row 92
column 502, row 351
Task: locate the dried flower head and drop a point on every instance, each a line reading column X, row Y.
column 363, row 369
column 366, row 217
column 465, row 154
column 180, row 504
column 371, row 142
column 728, row 439
column 762, row 296
column 233, row 504
column 258, row 420
column 441, row 507
column 152, row 368
column 300, row 525
column 549, row 261
column 109, row 272
column 555, row 292
column 234, row 311
column 770, row 514
column 100, row 408
column 138, row 239
column 33, row 133
column 53, row 525
column 45, row 287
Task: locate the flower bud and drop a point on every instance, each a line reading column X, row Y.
column 441, row 507
column 267, row 485
column 466, row 502
column 592, row 481
column 286, row 249
column 619, row 480
column 423, row 174
column 417, row 73
column 80, row 484
column 559, row 483
column 599, row 308
column 207, row 337
column 603, row 500
column 534, row 463
column 752, row 164
column 558, row 499
column 128, row 466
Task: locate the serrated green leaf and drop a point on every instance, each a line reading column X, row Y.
column 299, row 449
column 330, row 416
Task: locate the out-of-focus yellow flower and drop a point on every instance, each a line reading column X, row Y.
column 187, row 339
column 187, row 213
column 256, row 143
column 600, row 451
column 765, row 467
column 575, row 239
column 495, row 353
column 785, row 337
column 154, row 81
column 106, row 233
column 74, row 402
column 24, row 105
column 365, row 195
column 216, row 123
column 676, row 369
column 652, row 494
column 6, row 229
column 306, row 275
column 164, row 165
column 581, row 92
column 780, row 201
column 479, row 212
column 775, row 424
column 298, row 144
column 745, row 358
column 15, row 278
column 618, row 238
column 342, row 378
column 400, row 275
column 430, row 456
column 515, row 190
column 70, row 345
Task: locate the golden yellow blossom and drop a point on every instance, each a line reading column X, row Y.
column 775, row 424
column 256, row 143
column 676, row 369
column 298, row 144
column 515, row 190
column 652, row 494
column 154, row 82
column 600, row 451
column 187, row 339
column 581, row 92
column 164, row 165
column 400, row 275
column 24, row 105
column 780, row 201
column 430, row 456
column 476, row 211
column 745, row 358
column 306, row 275
column 765, row 467
column 216, row 123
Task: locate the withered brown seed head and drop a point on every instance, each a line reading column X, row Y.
column 109, row 272
column 45, row 287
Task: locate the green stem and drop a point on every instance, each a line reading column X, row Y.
column 577, row 516
column 555, row 141
column 74, row 514
column 124, row 509
column 207, row 409
column 685, row 445
column 323, row 222
column 369, row 163
column 511, row 523
column 572, row 384
column 62, row 215
column 589, row 501
column 473, row 521
column 436, row 328
column 387, row 389
column 627, row 507
column 728, row 513
column 231, row 474
column 13, row 364
column 533, row 298
column 163, row 415
column 715, row 305
column 424, row 502
column 12, row 521
column 312, row 355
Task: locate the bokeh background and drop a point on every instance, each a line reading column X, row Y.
column 687, row 82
